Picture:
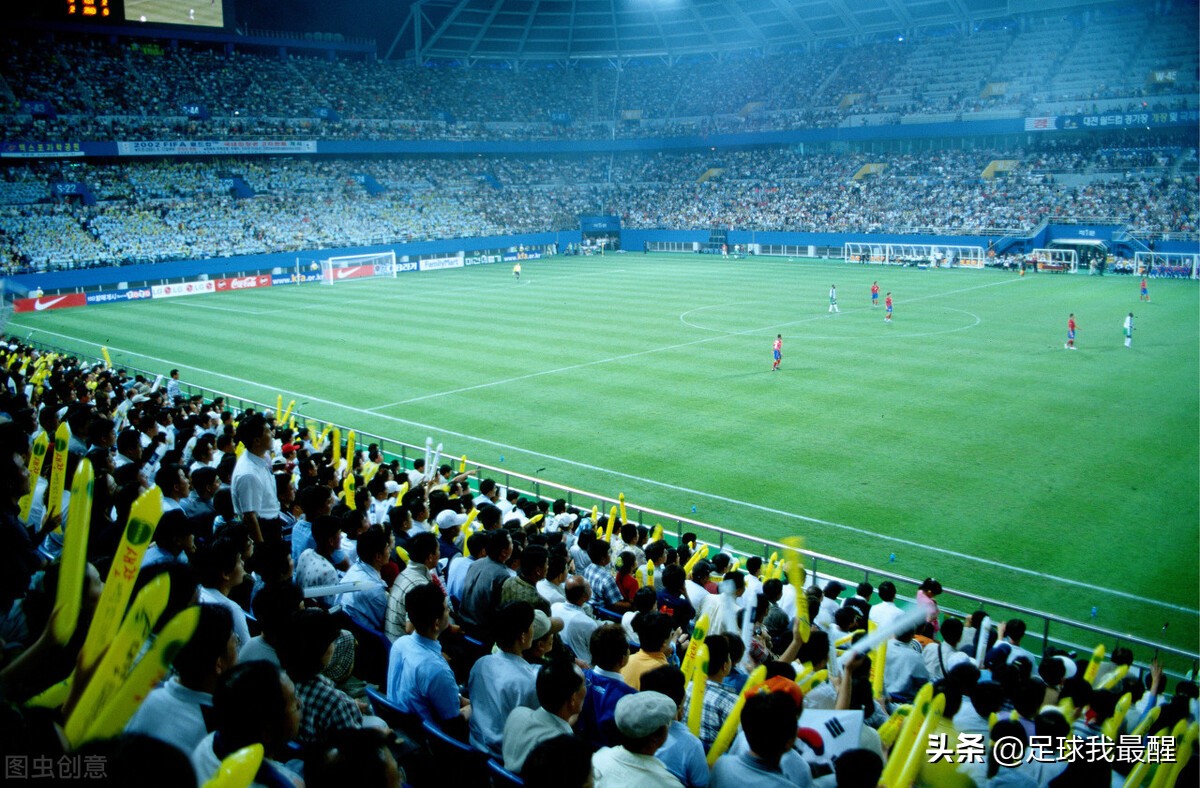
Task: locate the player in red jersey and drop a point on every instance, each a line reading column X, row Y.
column 1071, row 332
column 778, row 352
column 887, row 304
column 874, row 294
column 1145, row 294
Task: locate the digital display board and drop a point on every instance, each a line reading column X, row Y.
column 185, row 13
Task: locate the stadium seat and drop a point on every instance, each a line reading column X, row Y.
column 410, row 724
column 373, row 650
column 501, row 777
column 462, row 763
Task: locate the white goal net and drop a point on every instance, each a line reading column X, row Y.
column 1055, row 260
column 357, row 266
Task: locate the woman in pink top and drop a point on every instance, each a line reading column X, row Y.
column 926, row 598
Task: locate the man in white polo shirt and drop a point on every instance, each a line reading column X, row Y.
column 253, row 486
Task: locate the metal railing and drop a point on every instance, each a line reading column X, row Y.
column 1067, row 633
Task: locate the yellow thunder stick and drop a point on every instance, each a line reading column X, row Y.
column 287, row 414
column 796, row 574
column 1093, row 667
column 621, row 503
column 154, row 664
column 337, row 448
column 916, row 751
column 58, row 471
column 107, row 358
column 696, row 702
column 74, row 555
column 348, row 490
column 730, row 727
column 695, row 559
column 238, row 769
column 908, row 736
column 699, row 631
column 127, row 562
column 150, row 603
column 37, row 456
column 466, row 530
column 278, row 408
column 657, row 534
column 612, row 520
column 462, row 464
column 806, row 686
column 350, row 437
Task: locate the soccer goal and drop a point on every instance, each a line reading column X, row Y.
column 357, row 266
column 1060, row 260
column 1167, row 265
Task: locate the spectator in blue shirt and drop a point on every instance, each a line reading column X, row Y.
column 606, row 686
column 683, row 754
column 420, row 680
column 500, row 682
column 368, row 606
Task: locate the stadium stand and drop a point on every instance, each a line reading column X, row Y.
column 979, row 669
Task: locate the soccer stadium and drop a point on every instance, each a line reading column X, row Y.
column 600, row 393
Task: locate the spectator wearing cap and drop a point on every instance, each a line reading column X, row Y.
column 769, row 729
column 255, row 703
column 273, row 608
column 483, row 584
column 544, row 630
column 560, row 691
column 423, row 553
column 886, row 610
column 523, row 586
column 718, row 699
column 449, row 523
column 175, row 712
column 502, row 680
column 643, row 720
column 174, row 540
column 605, row 590
column 253, row 486
column 367, row 606
column 682, row 754
column 419, row 679
column 695, row 585
column 305, row 649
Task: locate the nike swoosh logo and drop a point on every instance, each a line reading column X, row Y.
column 39, row 305
column 342, row 273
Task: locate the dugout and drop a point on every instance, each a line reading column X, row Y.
column 1088, row 251
column 600, row 232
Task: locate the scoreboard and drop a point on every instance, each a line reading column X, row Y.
column 184, row 13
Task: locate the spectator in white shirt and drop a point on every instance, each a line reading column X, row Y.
column 220, row 569
column 882, row 613
column 551, row 586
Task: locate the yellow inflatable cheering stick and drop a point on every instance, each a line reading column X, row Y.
column 696, row 701
column 462, row 464
column 699, row 632
column 612, row 520
column 349, row 488
column 796, row 575
column 37, row 456
column 729, row 728
column 908, row 736
column 1093, row 667
column 58, row 471
column 278, row 408
column 238, row 769
column 916, row 751
column 350, row 452
column 621, row 503
column 154, row 664
column 337, row 448
column 466, row 530
column 74, row 555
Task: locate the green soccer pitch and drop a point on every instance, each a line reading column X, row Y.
column 963, row 438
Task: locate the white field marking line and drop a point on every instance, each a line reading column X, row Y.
column 625, row 356
column 640, row 479
column 183, row 302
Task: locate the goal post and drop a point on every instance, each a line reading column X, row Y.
column 1060, row 260
column 358, row 266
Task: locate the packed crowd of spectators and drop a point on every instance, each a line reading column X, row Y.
column 163, row 210
column 358, row 621
column 137, row 90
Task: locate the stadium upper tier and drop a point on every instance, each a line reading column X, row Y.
column 1055, row 65
column 163, row 210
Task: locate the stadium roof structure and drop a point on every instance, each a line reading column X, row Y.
column 570, row 30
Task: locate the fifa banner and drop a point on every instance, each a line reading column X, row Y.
column 114, row 296
column 243, row 283
column 482, row 259
column 1114, row 120
column 214, row 147
column 184, row 289
column 438, row 263
column 513, row 257
column 49, row 302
